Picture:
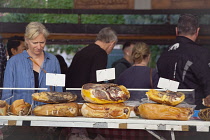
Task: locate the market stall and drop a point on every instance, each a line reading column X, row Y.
column 135, row 122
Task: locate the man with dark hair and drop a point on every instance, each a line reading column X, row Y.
column 90, row 59
column 15, row 45
column 187, row 62
column 125, row 62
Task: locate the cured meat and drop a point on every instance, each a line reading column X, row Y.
column 54, row 97
column 111, row 111
column 167, row 97
column 59, row 110
column 204, row 114
column 104, row 93
column 3, row 108
column 206, row 101
column 164, row 112
column 20, row 108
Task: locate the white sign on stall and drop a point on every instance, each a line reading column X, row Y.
column 105, row 74
column 53, row 79
column 168, row 84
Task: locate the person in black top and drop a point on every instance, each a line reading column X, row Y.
column 187, row 62
column 122, row 64
column 63, row 64
column 91, row 58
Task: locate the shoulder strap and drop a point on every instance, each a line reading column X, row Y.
column 40, row 68
column 151, row 81
column 37, row 64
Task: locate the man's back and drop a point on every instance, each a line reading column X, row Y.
column 84, row 65
column 187, row 63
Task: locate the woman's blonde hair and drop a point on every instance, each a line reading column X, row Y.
column 140, row 51
column 33, row 29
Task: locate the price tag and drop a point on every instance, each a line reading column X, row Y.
column 161, row 127
column 100, row 125
column 105, row 74
column 168, row 84
column 53, row 79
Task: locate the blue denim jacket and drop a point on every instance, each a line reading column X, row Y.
column 19, row 74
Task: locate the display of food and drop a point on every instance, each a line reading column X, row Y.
column 104, row 93
column 104, row 101
column 20, row 108
column 206, row 101
column 54, row 97
column 204, row 114
column 166, row 97
column 59, row 110
column 110, row 111
column 164, row 112
column 3, row 108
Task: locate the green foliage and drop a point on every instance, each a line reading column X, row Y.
column 64, row 4
column 156, row 50
column 102, row 19
column 145, row 19
column 69, row 49
column 13, row 17
column 205, row 19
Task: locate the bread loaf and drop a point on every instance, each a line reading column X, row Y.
column 164, row 112
column 166, row 97
column 104, row 93
column 111, row 111
column 20, row 108
column 54, row 97
column 59, row 110
column 3, row 108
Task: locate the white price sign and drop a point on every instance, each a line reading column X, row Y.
column 53, row 79
column 105, row 74
column 168, row 84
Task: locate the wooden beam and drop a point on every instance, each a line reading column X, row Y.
column 64, row 39
column 65, row 28
column 86, row 33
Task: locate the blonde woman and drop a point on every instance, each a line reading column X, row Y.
column 139, row 75
column 28, row 69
